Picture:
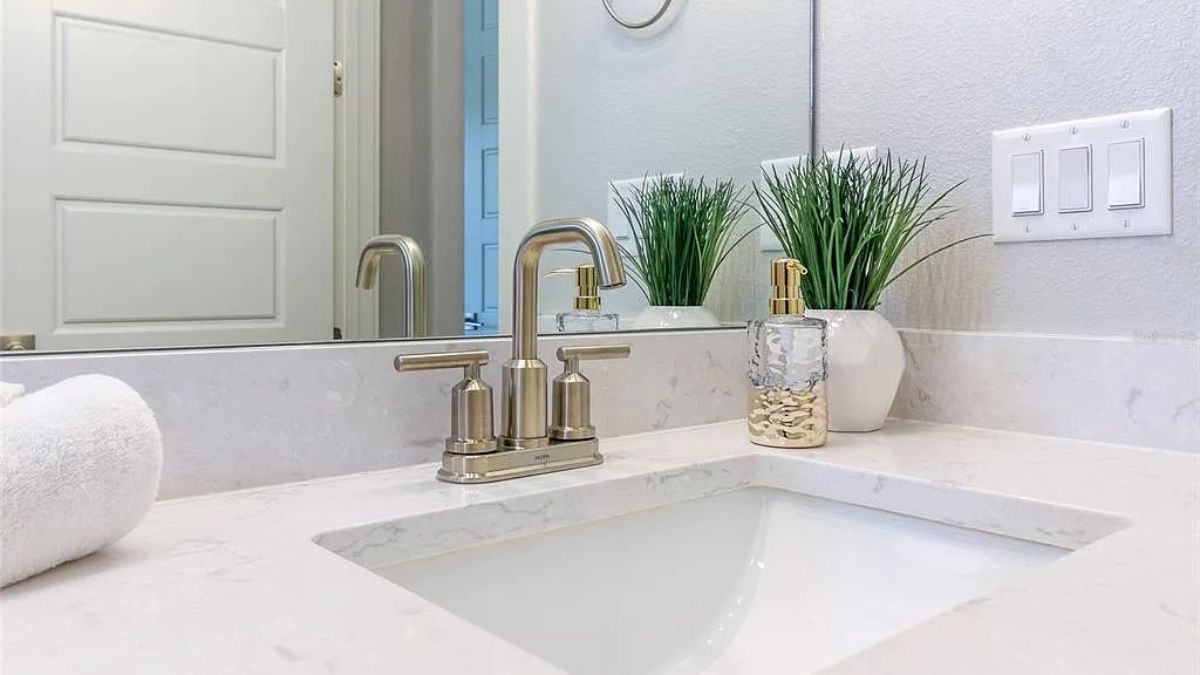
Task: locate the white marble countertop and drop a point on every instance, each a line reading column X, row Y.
column 234, row 583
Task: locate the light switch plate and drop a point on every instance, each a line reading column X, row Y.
column 617, row 223
column 1069, row 211
column 766, row 238
column 780, row 166
column 865, row 152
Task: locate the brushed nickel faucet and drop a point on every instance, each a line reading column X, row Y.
column 415, row 314
column 527, row 443
column 523, row 406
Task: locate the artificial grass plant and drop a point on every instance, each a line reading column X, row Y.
column 683, row 229
column 848, row 219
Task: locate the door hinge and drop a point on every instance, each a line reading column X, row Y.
column 18, row 343
column 339, row 78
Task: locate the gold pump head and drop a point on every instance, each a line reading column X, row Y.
column 587, row 295
column 785, row 282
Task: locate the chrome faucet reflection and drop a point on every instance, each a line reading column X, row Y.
column 527, row 444
column 415, row 313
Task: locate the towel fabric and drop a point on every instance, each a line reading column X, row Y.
column 79, row 467
column 10, row 393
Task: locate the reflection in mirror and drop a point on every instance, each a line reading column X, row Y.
column 416, row 311
column 228, row 192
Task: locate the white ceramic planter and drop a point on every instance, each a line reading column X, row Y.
column 655, row 317
column 866, row 360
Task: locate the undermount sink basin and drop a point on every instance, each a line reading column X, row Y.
column 749, row 579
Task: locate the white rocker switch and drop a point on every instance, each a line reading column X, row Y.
column 1126, row 175
column 1075, row 179
column 1027, row 184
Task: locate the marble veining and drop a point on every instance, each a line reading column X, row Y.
column 421, row 536
column 277, row 580
column 1142, row 390
column 245, row 417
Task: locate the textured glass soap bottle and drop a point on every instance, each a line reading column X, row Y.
column 787, row 391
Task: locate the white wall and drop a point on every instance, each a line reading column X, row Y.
column 936, row 77
column 725, row 87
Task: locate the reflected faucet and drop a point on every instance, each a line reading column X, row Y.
column 415, row 315
column 523, row 403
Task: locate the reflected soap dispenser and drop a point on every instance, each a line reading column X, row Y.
column 787, row 388
column 586, row 316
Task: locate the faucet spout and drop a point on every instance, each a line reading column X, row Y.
column 524, row 375
column 415, row 315
column 599, row 241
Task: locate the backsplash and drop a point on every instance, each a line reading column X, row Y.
column 238, row 418
column 1140, row 391
column 245, row 417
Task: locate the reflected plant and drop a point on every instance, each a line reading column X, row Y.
column 848, row 219
column 683, row 230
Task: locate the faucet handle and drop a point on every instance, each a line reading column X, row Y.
column 471, row 361
column 572, row 417
column 571, row 356
column 471, row 425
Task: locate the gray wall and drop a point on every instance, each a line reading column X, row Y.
column 936, row 77
column 446, row 169
column 421, row 154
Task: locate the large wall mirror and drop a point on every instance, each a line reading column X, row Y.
column 209, row 172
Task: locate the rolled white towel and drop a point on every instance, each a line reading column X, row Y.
column 10, row 393
column 79, row 467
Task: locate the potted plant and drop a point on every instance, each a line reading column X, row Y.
column 683, row 229
column 848, row 220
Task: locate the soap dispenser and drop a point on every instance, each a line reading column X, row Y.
column 787, row 387
column 586, row 316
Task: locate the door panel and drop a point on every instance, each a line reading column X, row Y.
column 254, row 23
column 109, row 251
column 167, row 172
column 108, row 96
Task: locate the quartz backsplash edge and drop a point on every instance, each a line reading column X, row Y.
column 235, row 418
column 1141, row 390
column 243, row 417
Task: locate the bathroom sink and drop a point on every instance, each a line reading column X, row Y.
column 733, row 576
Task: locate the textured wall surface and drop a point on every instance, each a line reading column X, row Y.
column 935, row 78
column 717, row 92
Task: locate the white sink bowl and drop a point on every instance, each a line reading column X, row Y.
column 753, row 579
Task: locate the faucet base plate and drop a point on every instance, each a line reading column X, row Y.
column 507, row 464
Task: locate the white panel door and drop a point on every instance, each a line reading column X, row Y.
column 167, row 172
